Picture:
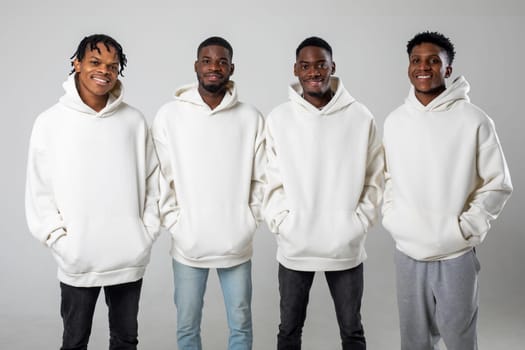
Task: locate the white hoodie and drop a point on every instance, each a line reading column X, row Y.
column 324, row 180
column 446, row 176
column 212, row 177
column 92, row 189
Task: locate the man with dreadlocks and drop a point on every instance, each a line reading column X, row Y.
column 91, row 194
column 446, row 179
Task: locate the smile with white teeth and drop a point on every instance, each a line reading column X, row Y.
column 423, row 76
column 100, row 80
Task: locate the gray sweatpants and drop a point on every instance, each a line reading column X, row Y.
column 438, row 299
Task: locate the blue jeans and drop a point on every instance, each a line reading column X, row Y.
column 190, row 286
column 77, row 308
column 346, row 288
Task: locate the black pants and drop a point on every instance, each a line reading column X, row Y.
column 78, row 306
column 346, row 288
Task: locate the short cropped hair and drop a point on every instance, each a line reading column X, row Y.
column 91, row 43
column 215, row 40
column 436, row 39
column 313, row 41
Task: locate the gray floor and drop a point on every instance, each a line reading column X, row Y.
column 501, row 322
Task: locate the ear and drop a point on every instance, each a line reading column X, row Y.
column 448, row 71
column 232, row 68
column 333, row 68
column 76, row 65
column 295, row 69
column 195, row 66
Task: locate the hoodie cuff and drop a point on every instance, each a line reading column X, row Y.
column 277, row 221
column 54, row 236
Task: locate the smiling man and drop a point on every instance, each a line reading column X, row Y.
column 211, row 152
column 324, row 185
column 91, row 194
column 446, row 179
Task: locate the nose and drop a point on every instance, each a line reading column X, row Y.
column 424, row 65
column 314, row 71
column 104, row 69
column 214, row 66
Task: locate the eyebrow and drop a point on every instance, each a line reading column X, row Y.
column 98, row 58
column 318, row 61
column 220, row 58
column 433, row 54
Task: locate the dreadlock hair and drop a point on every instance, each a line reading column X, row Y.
column 215, row 40
column 314, row 41
column 90, row 42
column 433, row 38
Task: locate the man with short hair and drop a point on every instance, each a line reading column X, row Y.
column 91, row 194
column 446, row 178
column 324, row 185
column 211, row 151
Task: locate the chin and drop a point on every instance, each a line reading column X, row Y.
column 213, row 88
column 315, row 93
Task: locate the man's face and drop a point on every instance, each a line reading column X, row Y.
column 213, row 68
column 428, row 67
column 313, row 68
column 97, row 72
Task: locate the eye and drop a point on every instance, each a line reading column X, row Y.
column 94, row 62
column 304, row 66
column 113, row 68
column 322, row 66
column 415, row 60
column 223, row 63
column 435, row 60
column 205, row 61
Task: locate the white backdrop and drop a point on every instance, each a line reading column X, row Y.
column 160, row 39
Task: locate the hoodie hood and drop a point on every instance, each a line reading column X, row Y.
column 71, row 99
column 190, row 94
column 457, row 91
column 340, row 100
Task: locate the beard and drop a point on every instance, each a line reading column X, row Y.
column 316, row 94
column 213, row 88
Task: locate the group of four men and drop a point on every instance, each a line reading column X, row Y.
column 100, row 184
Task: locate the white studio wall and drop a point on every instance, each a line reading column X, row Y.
column 160, row 39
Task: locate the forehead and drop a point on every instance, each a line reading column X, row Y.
column 214, row 51
column 427, row 49
column 313, row 53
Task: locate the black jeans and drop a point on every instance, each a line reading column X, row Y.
column 346, row 288
column 77, row 308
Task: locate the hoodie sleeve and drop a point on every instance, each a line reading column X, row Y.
column 495, row 187
column 387, row 192
column 168, row 206
column 42, row 214
column 151, row 206
column 275, row 207
column 258, row 181
column 372, row 189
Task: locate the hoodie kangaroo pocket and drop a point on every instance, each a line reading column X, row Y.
column 214, row 231
column 60, row 253
column 423, row 234
column 103, row 245
column 330, row 234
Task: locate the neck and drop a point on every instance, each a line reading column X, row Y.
column 319, row 101
column 425, row 97
column 97, row 104
column 212, row 99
